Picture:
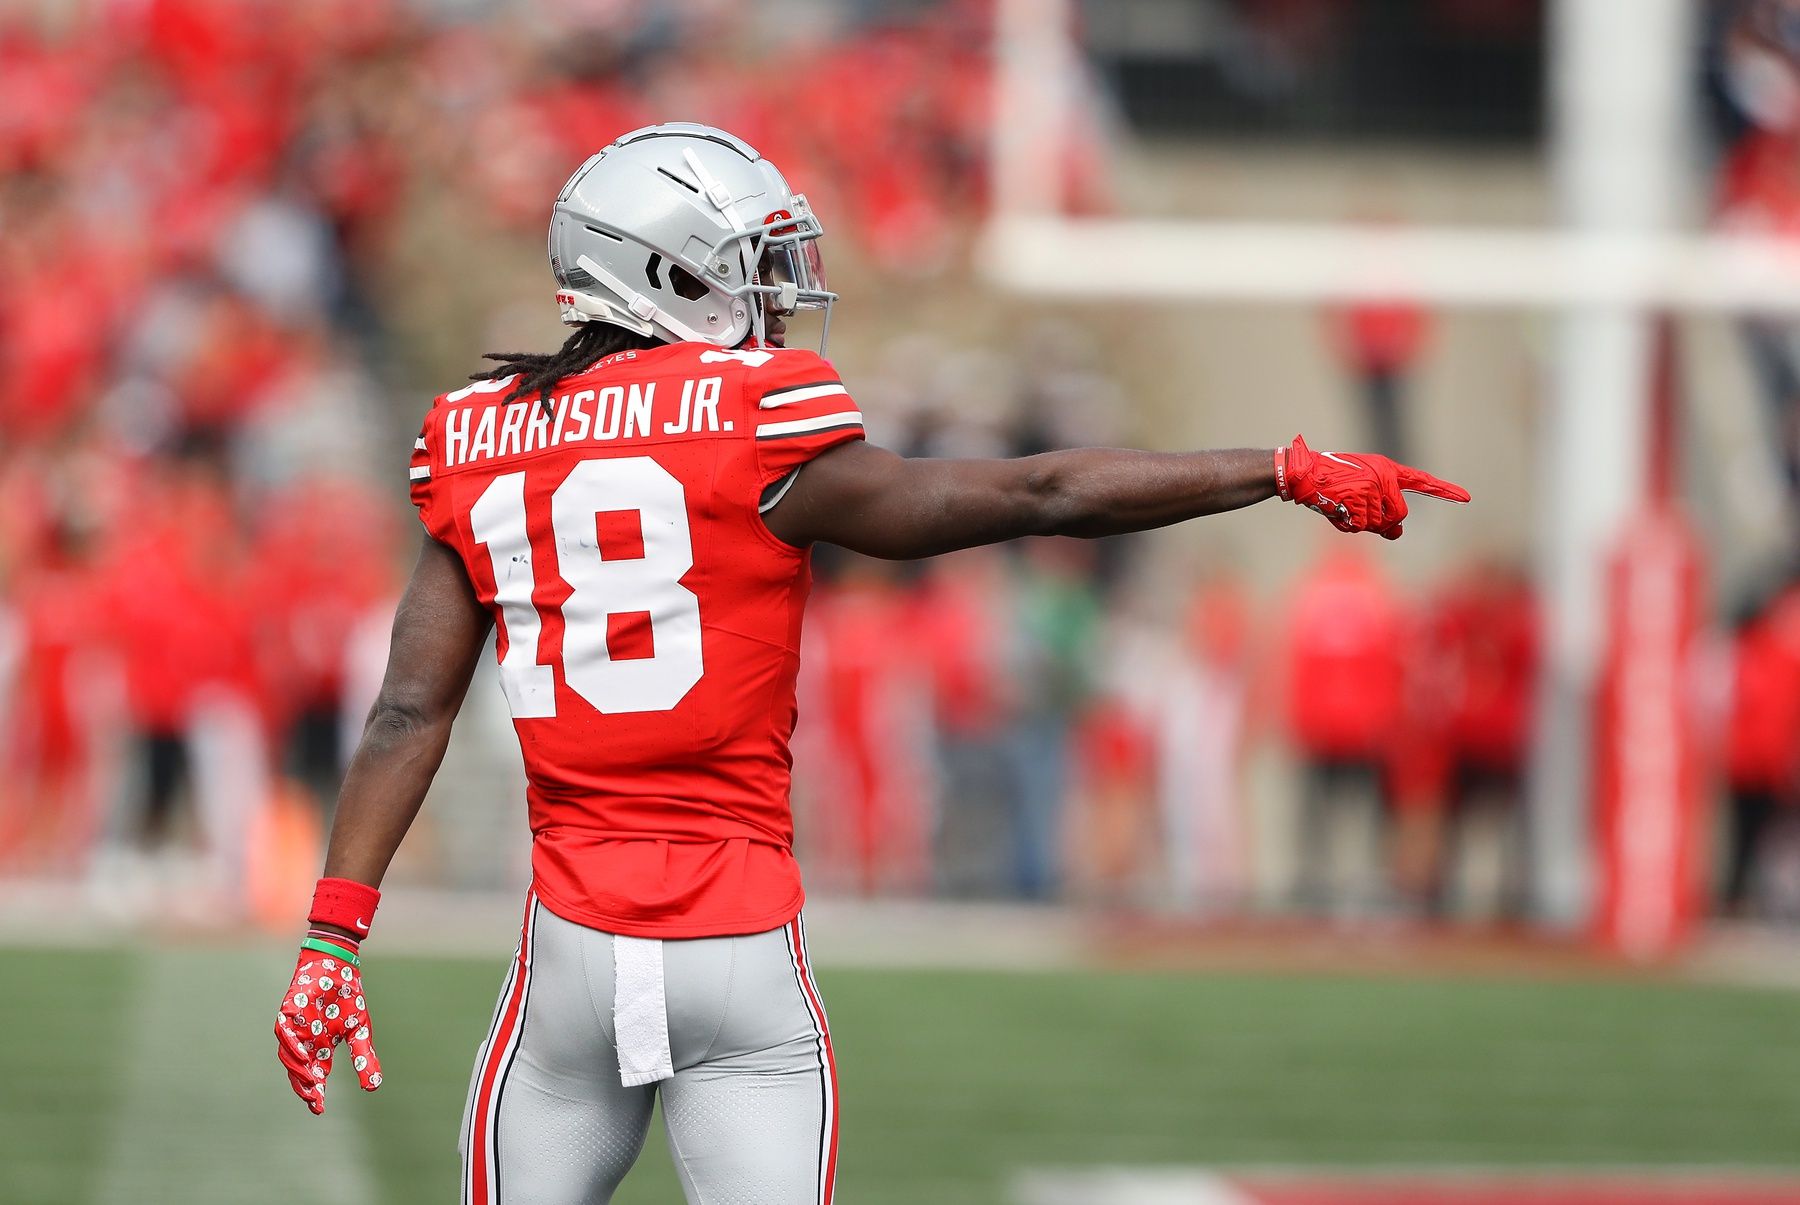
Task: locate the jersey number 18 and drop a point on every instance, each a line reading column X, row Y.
column 598, row 587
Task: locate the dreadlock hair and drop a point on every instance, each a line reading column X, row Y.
column 538, row 372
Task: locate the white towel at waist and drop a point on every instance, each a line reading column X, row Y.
column 640, row 1011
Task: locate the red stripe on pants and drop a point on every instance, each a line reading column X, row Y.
column 500, row 1043
column 816, row 1007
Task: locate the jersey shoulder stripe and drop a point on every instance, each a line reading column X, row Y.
column 419, row 473
column 809, row 392
column 818, row 423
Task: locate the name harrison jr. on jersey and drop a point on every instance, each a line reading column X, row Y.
column 615, row 412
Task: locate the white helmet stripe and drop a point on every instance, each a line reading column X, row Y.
column 714, row 191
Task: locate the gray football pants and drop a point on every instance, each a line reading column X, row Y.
column 750, row 1111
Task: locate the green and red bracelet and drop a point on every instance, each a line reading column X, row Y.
column 326, row 947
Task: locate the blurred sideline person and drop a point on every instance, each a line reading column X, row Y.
column 173, row 592
column 872, row 832
column 963, row 622
column 1484, row 645
column 633, row 513
column 1345, row 685
column 1058, row 620
column 1762, row 762
column 1111, row 833
column 1162, row 748
column 1203, row 721
column 1380, row 343
column 322, row 562
column 1110, row 836
column 50, row 684
column 1758, row 190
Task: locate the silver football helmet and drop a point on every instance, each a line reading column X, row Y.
column 682, row 232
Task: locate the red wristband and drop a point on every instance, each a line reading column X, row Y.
column 1281, row 481
column 344, row 903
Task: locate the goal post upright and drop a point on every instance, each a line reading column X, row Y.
column 1034, row 81
column 1620, row 139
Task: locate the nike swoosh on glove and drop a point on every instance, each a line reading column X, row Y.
column 324, row 1008
column 1357, row 491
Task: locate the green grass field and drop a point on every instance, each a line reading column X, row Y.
column 149, row 1076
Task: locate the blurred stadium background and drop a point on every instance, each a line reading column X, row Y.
column 1507, row 915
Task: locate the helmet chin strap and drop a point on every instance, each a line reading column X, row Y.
column 643, row 308
column 580, row 307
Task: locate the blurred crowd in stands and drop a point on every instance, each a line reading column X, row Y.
column 200, row 203
column 207, row 397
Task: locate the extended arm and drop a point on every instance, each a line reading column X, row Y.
column 439, row 631
column 869, row 500
column 872, row 501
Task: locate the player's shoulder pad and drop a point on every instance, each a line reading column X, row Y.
column 425, row 450
column 800, row 407
column 768, row 371
column 791, row 369
column 419, row 467
column 474, row 392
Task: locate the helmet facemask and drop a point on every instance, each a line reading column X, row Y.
column 789, row 269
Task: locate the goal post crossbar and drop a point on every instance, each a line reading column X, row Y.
column 1508, row 268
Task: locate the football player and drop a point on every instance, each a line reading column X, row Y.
column 633, row 513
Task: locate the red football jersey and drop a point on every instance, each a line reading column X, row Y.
column 648, row 622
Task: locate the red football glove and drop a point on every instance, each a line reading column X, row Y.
column 1357, row 491
column 324, row 1007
